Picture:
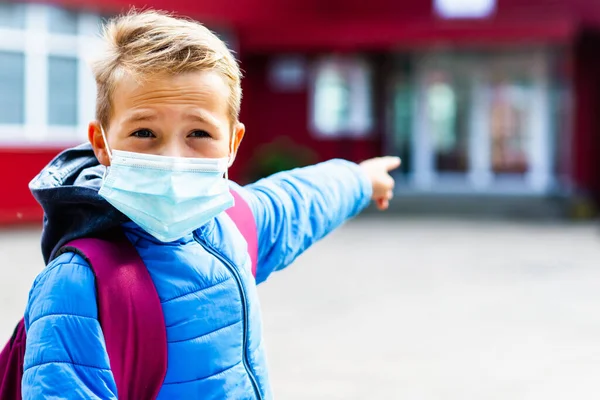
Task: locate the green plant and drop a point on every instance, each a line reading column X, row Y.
column 281, row 154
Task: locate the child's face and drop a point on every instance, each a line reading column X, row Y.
column 184, row 115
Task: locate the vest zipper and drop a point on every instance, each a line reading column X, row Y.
column 229, row 265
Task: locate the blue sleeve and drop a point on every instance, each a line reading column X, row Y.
column 295, row 209
column 65, row 356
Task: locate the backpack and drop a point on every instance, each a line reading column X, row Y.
column 128, row 305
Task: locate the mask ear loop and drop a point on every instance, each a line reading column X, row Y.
column 230, row 158
column 108, row 150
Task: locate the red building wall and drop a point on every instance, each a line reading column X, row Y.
column 19, row 166
column 266, row 27
column 269, row 114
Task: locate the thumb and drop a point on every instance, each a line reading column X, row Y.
column 390, row 163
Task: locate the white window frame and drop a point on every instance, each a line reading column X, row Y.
column 37, row 44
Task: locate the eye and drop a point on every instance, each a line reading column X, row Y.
column 143, row 133
column 199, row 134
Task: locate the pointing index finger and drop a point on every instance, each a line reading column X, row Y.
column 391, row 163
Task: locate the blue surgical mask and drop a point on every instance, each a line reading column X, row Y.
column 168, row 197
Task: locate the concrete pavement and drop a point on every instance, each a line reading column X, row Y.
column 416, row 309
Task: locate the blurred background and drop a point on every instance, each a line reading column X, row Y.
column 482, row 99
column 493, row 106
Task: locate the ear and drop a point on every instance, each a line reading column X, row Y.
column 97, row 142
column 238, row 135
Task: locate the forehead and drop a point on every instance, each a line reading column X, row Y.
column 205, row 90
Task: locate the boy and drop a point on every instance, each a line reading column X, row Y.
column 167, row 127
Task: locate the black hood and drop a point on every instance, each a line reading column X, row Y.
column 67, row 190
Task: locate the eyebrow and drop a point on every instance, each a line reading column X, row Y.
column 201, row 117
column 144, row 116
column 141, row 117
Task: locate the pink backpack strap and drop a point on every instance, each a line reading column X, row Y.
column 128, row 305
column 242, row 216
column 12, row 357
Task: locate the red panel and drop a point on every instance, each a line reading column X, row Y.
column 408, row 10
column 20, row 166
column 386, row 35
column 235, row 12
column 244, row 11
column 266, row 23
column 423, row 10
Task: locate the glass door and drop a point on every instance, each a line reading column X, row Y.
column 446, row 117
column 519, row 125
column 482, row 122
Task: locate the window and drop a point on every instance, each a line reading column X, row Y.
column 62, row 21
column 62, row 91
column 12, row 16
column 332, row 101
column 446, row 116
column 401, row 123
column 341, row 98
column 287, row 73
column 12, row 88
column 47, row 92
column 509, row 117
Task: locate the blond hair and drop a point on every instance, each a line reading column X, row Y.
column 149, row 43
